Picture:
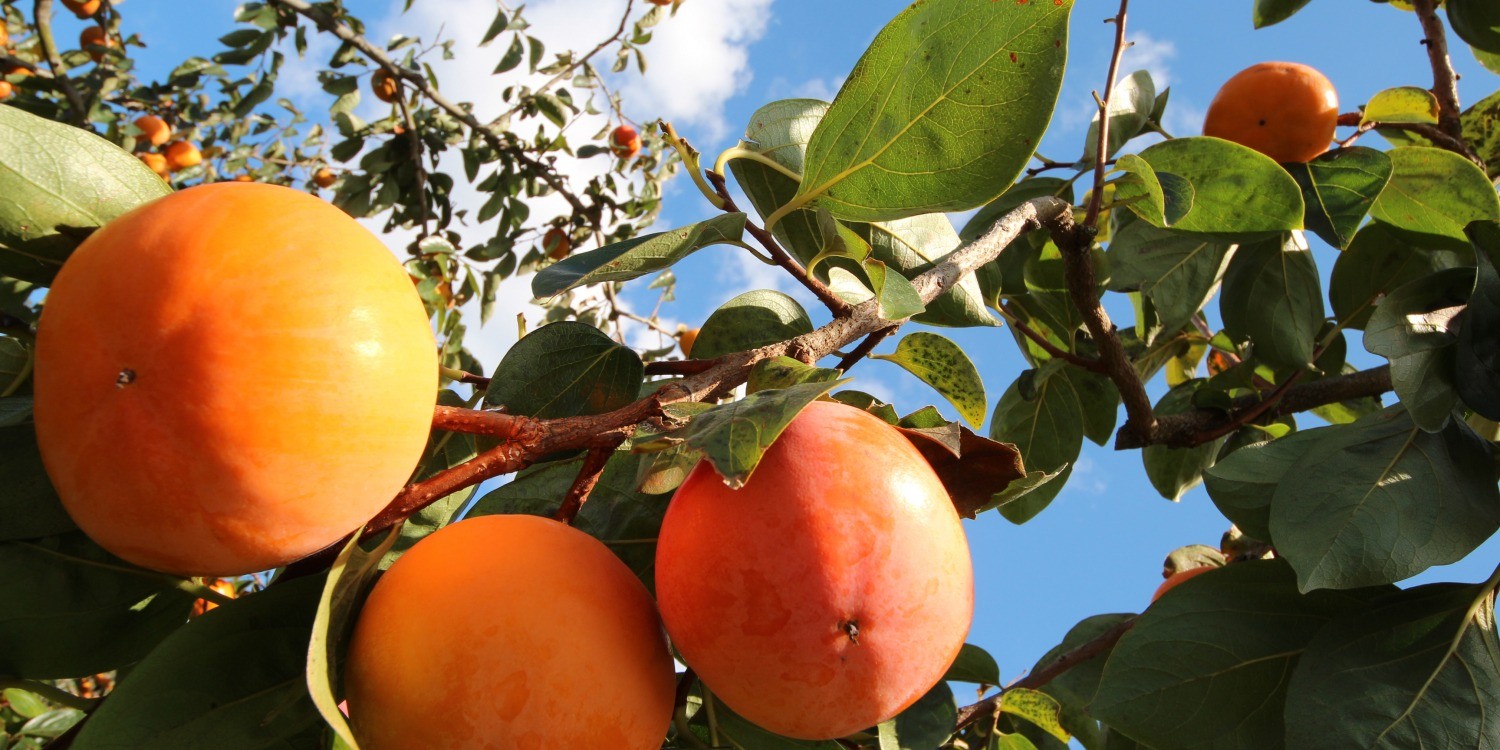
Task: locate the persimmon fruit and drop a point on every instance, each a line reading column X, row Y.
column 154, row 130
column 157, row 163
column 509, row 631
column 625, row 142
column 685, row 341
column 91, row 39
column 830, row 591
column 4, row 35
column 230, row 378
column 556, row 243
column 1287, row 111
column 324, row 177
column 223, row 586
column 385, row 86
column 6, row 90
column 82, row 8
column 182, row 155
column 1177, row 578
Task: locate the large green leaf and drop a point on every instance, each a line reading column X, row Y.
column 1414, row 328
column 751, row 320
column 1178, row 272
column 924, row 725
column 1207, row 667
column 779, row 131
column 941, row 364
column 1242, row 483
column 1434, row 193
column 566, row 369
column 975, row 665
column 1477, row 359
column 743, row 735
column 637, row 256
column 1476, row 22
column 233, row 678
column 1076, row 687
column 1377, row 262
column 29, row 506
column 1339, row 187
column 1268, row 12
column 1419, row 668
column 1272, row 295
column 1381, row 500
column 1174, row 471
column 1043, row 414
column 72, row 609
column 1236, row 192
column 344, row 589
column 58, row 183
column 734, row 436
column 941, row 112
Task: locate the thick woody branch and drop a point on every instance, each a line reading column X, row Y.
column 1444, row 80
column 529, row 440
column 1064, row 662
column 1201, row 425
column 419, row 82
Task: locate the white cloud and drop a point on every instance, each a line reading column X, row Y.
column 814, row 88
column 1153, row 55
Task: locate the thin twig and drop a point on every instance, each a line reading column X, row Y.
column 583, row 484
column 1101, row 151
column 42, row 13
column 567, row 72
column 865, row 347
column 1052, row 350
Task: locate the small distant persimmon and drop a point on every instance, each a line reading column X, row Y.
column 154, row 130
column 1287, row 111
column 243, row 178
column 324, row 177
column 685, row 341
column 157, row 163
column 1177, row 578
column 4, row 34
column 182, row 155
column 92, row 39
column 556, row 243
column 386, row 87
column 83, row 8
column 625, row 142
column 6, row 90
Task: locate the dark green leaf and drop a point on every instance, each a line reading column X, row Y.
column 1161, row 198
column 1076, row 687
column 1476, row 22
column 742, row 735
column 1178, row 272
column 1273, row 296
column 751, row 320
column 1434, row 193
column 1481, row 122
column 1236, row 192
column 941, row 364
column 942, row 111
column 1173, row 471
column 233, row 678
column 975, row 665
column 566, row 369
column 1376, row 262
column 1381, row 500
column 1413, row 328
column 1419, row 668
column 29, row 506
column 780, row 372
column 1339, row 188
column 1477, row 359
column 1268, row 12
column 1044, row 420
column 59, row 183
column 924, row 725
column 637, row 256
column 1242, row 483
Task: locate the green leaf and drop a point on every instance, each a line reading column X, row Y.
column 1130, row 108
column 1268, row 12
column 52, row 724
column 1481, row 123
column 566, row 369
column 1174, row 471
column 1381, row 500
column 60, row 183
column 1237, row 192
column 742, row 735
column 636, row 257
column 1377, row 262
column 1273, row 296
column 28, row 705
column 29, row 506
column 1476, row 22
column 344, row 590
column 1161, row 198
column 1477, row 359
column 1402, row 104
column 1413, row 329
column 1036, row 707
column 751, row 320
column 941, row 364
column 72, row 609
column 975, row 665
column 924, row 725
column 1041, row 415
column 1433, row 194
column 232, row 678
column 1242, row 483
column 1339, row 187
column 947, row 104
column 1076, row 687
column 734, row 436
column 1419, row 668
column 1208, row 665
column 1178, row 272
column 780, row 372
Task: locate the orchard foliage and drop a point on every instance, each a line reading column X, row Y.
column 1333, row 490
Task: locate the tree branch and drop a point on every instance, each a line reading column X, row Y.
column 1201, row 425
column 1444, row 80
column 1101, row 150
column 1052, row 350
column 42, row 13
column 865, row 347
column 567, row 73
column 588, row 477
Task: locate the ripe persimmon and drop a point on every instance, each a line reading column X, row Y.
column 685, row 341
column 157, row 163
column 243, row 178
column 82, row 8
column 230, row 378
column 324, row 177
column 385, row 86
column 6, row 90
column 829, row 592
column 91, row 39
column 154, row 130
column 625, row 142
column 509, row 631
column 556, row 243
column 1177, row 578
column 4, row 35
column 1287, row 111
column 182, row 155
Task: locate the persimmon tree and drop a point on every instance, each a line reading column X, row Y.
column 1336, row 483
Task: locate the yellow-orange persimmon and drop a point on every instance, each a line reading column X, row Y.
column 324, row 177
column 157, row 163
column 82, row 8
column 685, row 341
column 4, row 35
column 1287, row 111
column 556, row 243
column 828, row 593
column 243, row 178
column 385, row 86
column 230, row 378
column 625, row 142
column 512, row 632
column 91, row 39
column 222, row 586
column 182, row 155
column 154, row 130
column 6, row 90
column 1177, row 578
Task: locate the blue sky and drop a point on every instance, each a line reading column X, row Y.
column 1100, row 546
